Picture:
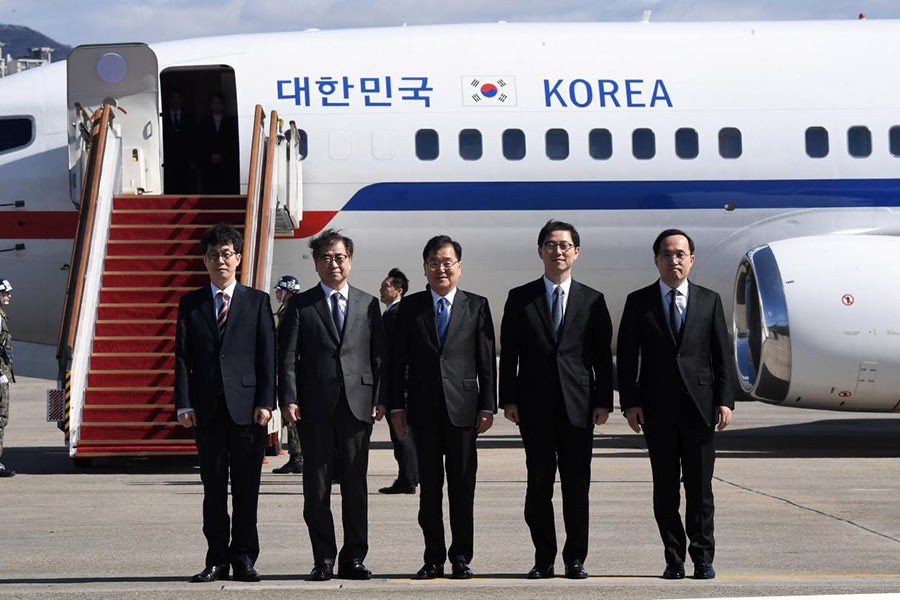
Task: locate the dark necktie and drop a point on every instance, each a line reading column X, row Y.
column 556, row 311
column 223, row 312
column 337, row 314
column 442, row 319
column 673, row 314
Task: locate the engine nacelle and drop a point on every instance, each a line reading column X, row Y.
column 817, row 322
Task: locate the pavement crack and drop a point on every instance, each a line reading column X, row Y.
column 808, row 509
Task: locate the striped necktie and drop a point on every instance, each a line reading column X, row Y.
column 223, row 312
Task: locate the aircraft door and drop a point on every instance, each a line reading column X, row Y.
column 127, row 76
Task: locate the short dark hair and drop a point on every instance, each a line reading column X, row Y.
column 220, row 235
column 399, row 280
column 327, row 238
column 551, row 226
column 438, row 242
column 669, row 232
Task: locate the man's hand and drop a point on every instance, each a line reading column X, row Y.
column 188, row 419
column 378, row 411
column 511, row 412
column 723, row 416
column 635, row 418
column 398, row 418
column 485, row 420
column 290, row 413
column 262, row 415
column 600, row 416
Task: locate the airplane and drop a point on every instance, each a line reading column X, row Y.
column 776, row 145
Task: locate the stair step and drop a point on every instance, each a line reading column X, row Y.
column 132, row 361
column 114, row 432
column 99, row 450
column 134, row 329
column 156, row 312
column 143, row 296
column 174, row 217
column 126, row 379
column 159, row 395
column 160, row 232
column 129, row 415
column 159, row 248
column 191, row 280
column 179, row 202
column 176, row 264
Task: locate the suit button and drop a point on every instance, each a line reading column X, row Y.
column 223, row 355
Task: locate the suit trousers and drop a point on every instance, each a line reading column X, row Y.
column 552, row 442
column 337, row 447
column 682, row 446
column 441, row 445
column 227, row 448
column 405, row 455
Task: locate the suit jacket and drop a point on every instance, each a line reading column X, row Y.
column 462, row 375
column 315, row 363
column 655, row 369
column 241, row 365
column 533, row 366
column 389, row 320
column 224, row 177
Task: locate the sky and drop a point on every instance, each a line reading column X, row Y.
column 76, row 22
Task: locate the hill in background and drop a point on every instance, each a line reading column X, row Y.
column 18, row 41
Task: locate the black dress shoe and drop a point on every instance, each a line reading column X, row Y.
column 704, row 571
column 4, row 472
column 539, row 572
column 291, row 466
column 245, row 573
column 398, row 488
column 461, row 571
column 430, row 571
column 211, row 573
column 321, row 572
column 354, row 570
column 674, row 571
column 575, row 570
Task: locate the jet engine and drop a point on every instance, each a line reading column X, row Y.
column 817, row 322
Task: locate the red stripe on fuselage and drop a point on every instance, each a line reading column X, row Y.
column 313, row 222
column 38, row 225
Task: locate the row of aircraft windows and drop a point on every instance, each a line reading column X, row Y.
column 643, row 143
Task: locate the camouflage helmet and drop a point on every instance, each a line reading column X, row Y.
column 288, row 283
column 5, row 286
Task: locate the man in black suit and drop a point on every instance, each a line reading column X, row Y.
column 330, row 351
column 443, row 375
column 676, row 382
column 225, row 389
column 178, row 145
column 556, row 384
column 217, row 150
column 393, row 288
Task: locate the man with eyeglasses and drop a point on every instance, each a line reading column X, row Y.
column 556, row 385
column 676, row 384
column 330, row 350
column 225, row 390
column 442, row 385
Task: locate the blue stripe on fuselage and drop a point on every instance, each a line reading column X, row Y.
column 626, row 195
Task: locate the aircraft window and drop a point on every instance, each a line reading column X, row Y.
column 514, row 144
column 470, row 147
column 730, row 144
column 687, row 144
column 557, row 141
column 427, row 144
column 600, row 144
column 303, row 144
column 817, row 142
column 16, row 132
column 895, row 140
column 643, row 143
column 859, row 141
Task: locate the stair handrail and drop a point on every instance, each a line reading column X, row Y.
column 254, row 189
column 266, row 211
column 101, row 123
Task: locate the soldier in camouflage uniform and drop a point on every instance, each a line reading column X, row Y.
column 6, row 367
column 286, row 287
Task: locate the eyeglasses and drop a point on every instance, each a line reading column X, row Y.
column 552, row 246
column 445, row 265
column 337, row 259
column 677, row 256
column 213, row 256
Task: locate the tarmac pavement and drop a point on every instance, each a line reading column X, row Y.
column 807, row 502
